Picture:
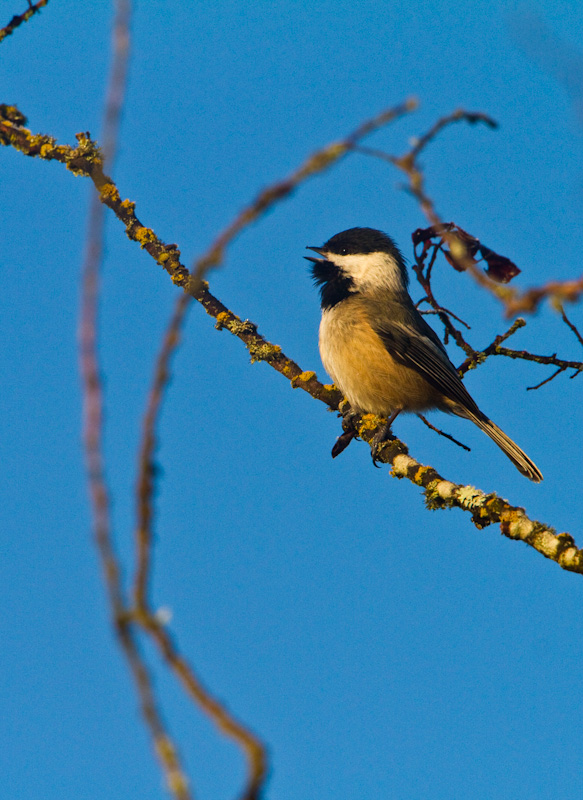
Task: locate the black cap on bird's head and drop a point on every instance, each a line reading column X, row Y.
column 340, row 272
column 356, row 241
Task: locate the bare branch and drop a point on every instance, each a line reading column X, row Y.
column 547, row 380
column 93, row 403
column 443, row 433
column 514, row 300
column 250, row 744
column 142, row 613
column 423, row 274
column 570, row 325
column 476, row 357
column 146, row 467
column 164, row 747
column 479, row 356
column 472, row 117
column 318, row 162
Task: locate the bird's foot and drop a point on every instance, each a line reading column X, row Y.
column 381, row 437
column 378, row 440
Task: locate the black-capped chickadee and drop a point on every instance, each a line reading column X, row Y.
column 378, row 348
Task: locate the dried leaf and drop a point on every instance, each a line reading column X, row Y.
column 500, row 268
column 425, row 234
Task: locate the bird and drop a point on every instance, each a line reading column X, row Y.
column 378, row 348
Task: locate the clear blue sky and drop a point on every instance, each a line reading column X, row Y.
column 380, row 650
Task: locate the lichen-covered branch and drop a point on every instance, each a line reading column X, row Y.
column 18, row 19
column 86, row 159
column 489, row 509
column 485, row 509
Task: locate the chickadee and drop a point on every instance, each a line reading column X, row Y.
column 378, row 348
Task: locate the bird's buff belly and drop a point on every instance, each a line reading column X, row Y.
column 370, row 378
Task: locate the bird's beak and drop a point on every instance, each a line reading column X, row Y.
column 316, row 250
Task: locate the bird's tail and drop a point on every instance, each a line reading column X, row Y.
column 518, row 457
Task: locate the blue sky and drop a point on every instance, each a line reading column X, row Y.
column 379, row 650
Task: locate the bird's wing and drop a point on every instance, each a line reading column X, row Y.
column 419, row 348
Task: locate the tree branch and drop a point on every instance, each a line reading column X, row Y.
column 164, row 746
column 485, row 509
column 18, row 19
column 318, row 162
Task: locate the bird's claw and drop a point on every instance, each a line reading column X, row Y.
column 380, row 438
column 377, row 447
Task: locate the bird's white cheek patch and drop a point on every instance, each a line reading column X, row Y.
column 379, row 270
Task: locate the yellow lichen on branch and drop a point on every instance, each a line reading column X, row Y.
column 18, row 19
column 485, row 509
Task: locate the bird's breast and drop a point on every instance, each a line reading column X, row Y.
column 359, row 363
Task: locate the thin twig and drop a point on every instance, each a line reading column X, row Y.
column 424, row 278
column 442, row 310
column 252, row 747
column 146, row 467
column 318, row 162
column 143, row 615
column 93, row 406
column 443, row 433
column 116, row 90
column 476, row 357
column 472, row 117
column 479, row 356
column 571, row 325
column 93, row 420
column 547, row 380
column 524, row 355
column 223, row 719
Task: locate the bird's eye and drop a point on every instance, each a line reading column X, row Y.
column 344, row 251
